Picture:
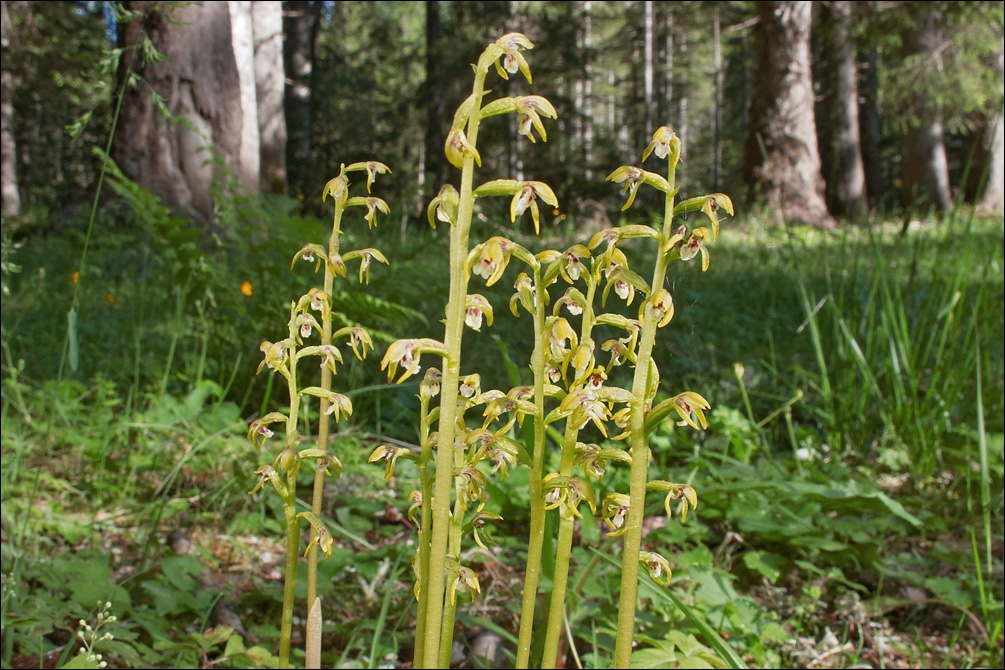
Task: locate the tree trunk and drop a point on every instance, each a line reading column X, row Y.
column 668, row 82
column 10, row 198
column 782, row 163
column 203, row 81
column 434, row 96
column 868, row 111
column 717, row 65
column 988, row 168
column 925, row 168
column 840, row 147
column 270, row 81
column 588, row 90
column 300, row 25
column 647, row 72
column 993, row 200
column 242, row 37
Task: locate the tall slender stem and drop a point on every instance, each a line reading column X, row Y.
column 535, row 543
column 427, row 516
column 640, row 450
column 567, row 520
column 292, row 558
column 324, row 419
column 435, row 579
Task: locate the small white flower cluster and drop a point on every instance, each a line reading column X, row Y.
column 88, row 635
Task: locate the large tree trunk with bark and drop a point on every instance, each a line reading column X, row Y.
column 838, row 130
column 206, row 80
column 925, row 169
column 782, row 162
column 10, row 197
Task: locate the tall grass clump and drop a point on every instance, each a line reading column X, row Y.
column 896, row 327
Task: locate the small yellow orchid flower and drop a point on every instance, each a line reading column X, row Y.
column 657, row 566
column 688, row 403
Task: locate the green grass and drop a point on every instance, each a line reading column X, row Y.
column 868, row 506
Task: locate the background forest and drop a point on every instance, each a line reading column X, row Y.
column 163, row 162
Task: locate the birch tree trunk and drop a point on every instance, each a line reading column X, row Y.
column 10, row 197
column 782, row 163
column 270, row 82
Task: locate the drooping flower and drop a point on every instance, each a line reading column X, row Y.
column 511, row 59
column 478, row 524
column 615, row 510
column 330, row 459
column 430, row 385
column 366, row 256
column 462, row 580
column 663, row 142
column 275, row 356
column 470, row 386
column 458, row 148
column 373, row 205
column 357, row 337
column 632, row 176
column 489, row 259
column 338, row 403
column 329, row 354
column 267, row 474
column 686, row 494
column 688, row 403
column 404, row 353
column 471, row 485
column 560, row 332
column 307, row 324
column 657, row 566
column 571, row 267
column 477, row 306
column 373, row 168
column 390, row 455
column 695, row 244
column 663, row 310
column 416, row 499
column 444, row 206
column 527, row 196
column 584, row 407
column 319, row 300
column 529, row 109
column 587, row 455
column 311, row 253
column 573, row 300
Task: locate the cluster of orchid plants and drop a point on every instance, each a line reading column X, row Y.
column 283, row 357
column 466, row 432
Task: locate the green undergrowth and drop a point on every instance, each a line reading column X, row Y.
column 850, row 507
